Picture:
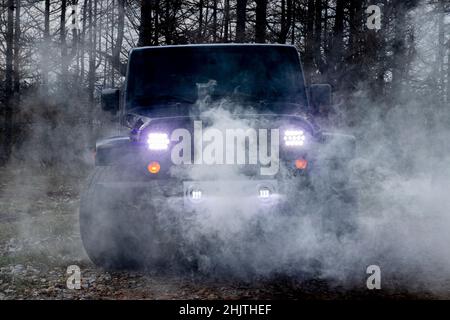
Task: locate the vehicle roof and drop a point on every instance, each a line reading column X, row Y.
column 214, row 45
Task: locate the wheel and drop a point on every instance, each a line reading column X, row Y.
column 99, row 233
column 121, row 228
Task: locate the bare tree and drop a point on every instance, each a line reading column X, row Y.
column 64, row 61
column 338, row 33
column 200, row 19
column 261, row 21
column 226, row 21
column 309, row 36
column 440, row 56
column 146, row 30
column 241, row 8
column 448, row 72
column 45, row 49
column 286, row 17
column 214, row 26
column 7, row 142
column 318, row 20
column 17, row 34
column 120, row 34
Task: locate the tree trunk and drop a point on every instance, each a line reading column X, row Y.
column 440, row 56
column 226, row 20
column 64, row 62
column 112, row 70
column 338, row 33
column 45, row 55
column 283, row 27
column 399, row 52
column 74, row 28
column 318, row 35
column 293, row 21
column 354, row 55
column 83, row 40
column 7, row 142
column 17, row 50
column 108, row 48
column 120, row 34
column 355, row 22
column 286, row 16
column 157, row 24
column 167, row 27
column 145, row 28
column 91, row 72
column 309, row 39
column 200, row 21
column 214, row 28
column 448, row 73
column 241, row 13
column 261, row 21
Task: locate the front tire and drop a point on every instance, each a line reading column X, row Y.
column 99, row 231
column 124, row 228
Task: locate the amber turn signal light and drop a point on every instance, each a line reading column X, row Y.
column 153, row 167
column 301, row 164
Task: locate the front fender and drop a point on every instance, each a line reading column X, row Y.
column 112, row 150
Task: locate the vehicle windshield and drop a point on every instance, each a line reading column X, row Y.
column 185, row 73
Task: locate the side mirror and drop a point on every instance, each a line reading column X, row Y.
column 110, row 100
column 320, row 96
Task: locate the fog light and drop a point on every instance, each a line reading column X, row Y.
column 195, row 195
column 154, row 167
column 264, row 193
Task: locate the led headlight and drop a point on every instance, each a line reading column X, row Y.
column 294, row 138
column 158, row 141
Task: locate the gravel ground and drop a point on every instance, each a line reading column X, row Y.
column 39, row 239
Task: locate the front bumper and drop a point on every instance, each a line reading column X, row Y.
column 197, row 194
column 186, row 196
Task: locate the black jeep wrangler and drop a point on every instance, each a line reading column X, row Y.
column 168, row 167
